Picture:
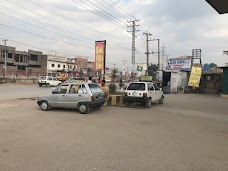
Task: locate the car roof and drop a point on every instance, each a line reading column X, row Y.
column 75, row 83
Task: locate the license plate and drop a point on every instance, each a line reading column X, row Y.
column 134, row 93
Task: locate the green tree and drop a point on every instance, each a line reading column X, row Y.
column 212, row 65
column 113, row 74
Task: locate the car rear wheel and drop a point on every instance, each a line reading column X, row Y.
column 45, row 106
column 40, row 85
column 148, row 103
column 161, row 101
column 83, row 108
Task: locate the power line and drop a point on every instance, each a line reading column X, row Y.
column 122, row 9
column 85, row 6
column 43, row 23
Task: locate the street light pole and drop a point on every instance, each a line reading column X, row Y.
column 5, row 40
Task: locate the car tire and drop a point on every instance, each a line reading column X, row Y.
column 149, row 103
column 161, row 101
column 40, row 85
column 45, row 106
column 83, row 108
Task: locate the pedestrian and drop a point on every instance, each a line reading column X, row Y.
column 105, row 90
column 90, row 80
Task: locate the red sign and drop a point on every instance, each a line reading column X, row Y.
column 99, row 55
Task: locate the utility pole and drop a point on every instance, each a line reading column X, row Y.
column 147, row 49
column 159, row 58
column 5, row 40
column 124, row 61
column 163, row 56
column 133, row 30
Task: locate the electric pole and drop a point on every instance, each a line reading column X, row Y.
column 159, row 58
column 133, row 30
column 163, row 56
column 5, row 40
column 147, row 49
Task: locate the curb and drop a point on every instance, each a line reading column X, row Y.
column 114, row 100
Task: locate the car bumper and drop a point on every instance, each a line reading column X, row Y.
column 94, row 104
column 135, row 99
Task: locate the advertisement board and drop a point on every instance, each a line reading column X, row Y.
column 179, row 64
column 194, row 79
column 100, row 47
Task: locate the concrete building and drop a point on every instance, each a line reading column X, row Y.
column 82, row 62
column 55, row 64
column 21, row 63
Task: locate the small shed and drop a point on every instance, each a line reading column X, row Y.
column 225, row 82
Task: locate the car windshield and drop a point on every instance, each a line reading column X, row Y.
column 136, row 86
column 43, row 78
column 95, row 88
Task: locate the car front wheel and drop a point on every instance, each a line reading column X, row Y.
column 83, row 108
column 45, row 106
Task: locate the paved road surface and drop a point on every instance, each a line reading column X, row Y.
column 188, row 132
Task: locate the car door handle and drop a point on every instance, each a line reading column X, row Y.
column 63, row 95
column 79, row 95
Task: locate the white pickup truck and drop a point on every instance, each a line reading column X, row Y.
column 144, row 92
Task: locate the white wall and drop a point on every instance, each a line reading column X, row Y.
column 178, row 79
column 50, row 68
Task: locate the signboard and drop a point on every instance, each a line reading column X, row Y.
column 100, row 48
column 179, row 64
column 139, row 67
column 194, row 79
column 146, row 78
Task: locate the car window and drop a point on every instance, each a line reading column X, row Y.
column 42, row 78
column 156, row 87
column 61, row 90
column 49, row 78
column 150, row 87
column 136, row 86
column 84, row 90
column 74, row 89
column 95, row 88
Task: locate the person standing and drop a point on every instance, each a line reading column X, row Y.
column 105, row 89
column 90, row 80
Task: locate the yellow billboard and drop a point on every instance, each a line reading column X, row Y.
column 100, row 55
column 194, row 79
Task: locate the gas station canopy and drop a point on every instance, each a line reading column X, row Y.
column 221, row 6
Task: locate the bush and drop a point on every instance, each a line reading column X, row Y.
column 112, row 88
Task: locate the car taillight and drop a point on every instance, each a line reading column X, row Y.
column 93, row 98
column 125, row 94
column 144, row 94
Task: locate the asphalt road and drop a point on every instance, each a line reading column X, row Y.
column 187, row 132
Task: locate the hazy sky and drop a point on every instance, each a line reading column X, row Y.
column 73, row 26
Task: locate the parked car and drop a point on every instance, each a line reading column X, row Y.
column 76, row 79
column 48, row 81
column 144, row 92
column 81, row 96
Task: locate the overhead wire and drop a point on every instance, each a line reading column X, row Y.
column 46, row 24
column 86, row 6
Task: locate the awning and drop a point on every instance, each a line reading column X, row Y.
column 221, row 6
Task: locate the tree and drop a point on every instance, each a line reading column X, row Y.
column 113, row 74
column 212, row 65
